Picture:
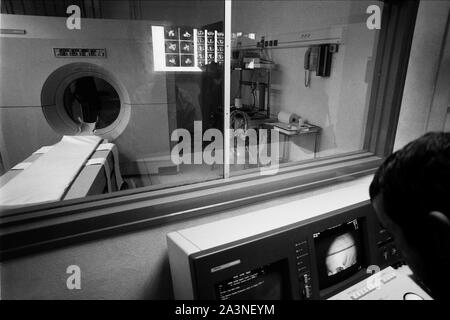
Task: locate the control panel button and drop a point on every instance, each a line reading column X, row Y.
column 358, row 294
column 305, row 285
column 301, row 270
column 302, row 261
column 388, row 277
column 385, row 254
column 301, row 248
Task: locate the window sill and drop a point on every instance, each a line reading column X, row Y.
column 260, row 218
column 73, row 221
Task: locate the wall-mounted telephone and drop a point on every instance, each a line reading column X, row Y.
column 318, row 59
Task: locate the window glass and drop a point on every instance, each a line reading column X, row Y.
column 304, row 69
column 129, row 94
column 145, row 77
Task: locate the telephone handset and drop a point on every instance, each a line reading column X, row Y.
column 307, row 66
column 307, row 59
column 310, row 63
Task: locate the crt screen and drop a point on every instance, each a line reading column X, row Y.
column 263, row 283
column 339, row 253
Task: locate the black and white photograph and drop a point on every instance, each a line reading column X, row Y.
column 230, row 157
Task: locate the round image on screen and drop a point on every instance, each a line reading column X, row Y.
column 341, row 254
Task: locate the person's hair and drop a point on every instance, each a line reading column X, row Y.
column 414, row 181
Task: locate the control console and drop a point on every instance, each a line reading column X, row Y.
column 388, row 284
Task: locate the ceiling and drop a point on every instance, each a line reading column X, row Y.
column 57, row 8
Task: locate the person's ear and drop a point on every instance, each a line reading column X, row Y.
column 439, row 225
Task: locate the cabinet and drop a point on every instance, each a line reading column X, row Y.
column 254, row 90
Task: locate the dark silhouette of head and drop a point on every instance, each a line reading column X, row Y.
column 411, row 196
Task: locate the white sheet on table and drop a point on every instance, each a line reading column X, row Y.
column 43, row 150
column 102, row 162
column 49, row 176
column 114, row 150
column 21, row 166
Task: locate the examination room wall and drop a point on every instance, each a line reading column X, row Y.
column 337, row 103
column 135, row 265
column 426, row 99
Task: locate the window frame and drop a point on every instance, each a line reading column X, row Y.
column 46, row 226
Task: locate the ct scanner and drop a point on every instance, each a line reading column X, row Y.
column 35, row 82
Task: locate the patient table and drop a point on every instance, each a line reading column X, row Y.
column 75, row 167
